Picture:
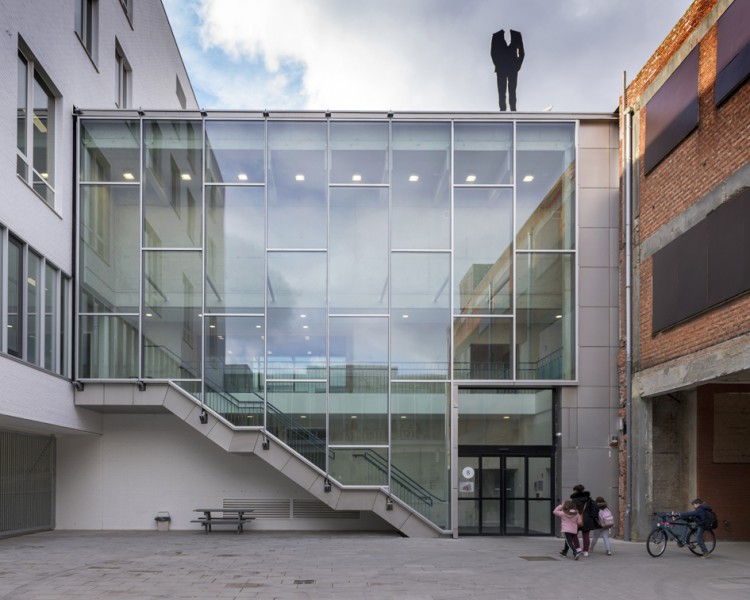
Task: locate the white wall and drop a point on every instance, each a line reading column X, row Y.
column 143, row 464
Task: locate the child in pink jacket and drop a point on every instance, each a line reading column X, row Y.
column 569, row 520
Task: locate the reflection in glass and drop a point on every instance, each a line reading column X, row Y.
column 540, row 517
column 482, row 348
column 296, row 315
column 545, row 317
column 109, row 249
column 483, row 251
column 235, row 249
column 359, row 466
column 173, row 184
column 483, row 153
column 297, row 416
column 64, row 333
column 15, row 297
column 234, row 368
column 420, row 315
column 358, row 250
column 420, row 447
column 235, row 151
column 358, row 381
column 171, row 315
column 506, row 417
column 50, row 317
column 515, row 517
column 421, row 186
column 110, row 151
column 540, row 474
column 297, row 185
column 33, row 307
column 359, row 153
column 545, row 193
column 108, row 347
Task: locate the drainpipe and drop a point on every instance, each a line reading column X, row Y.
column 628, row 203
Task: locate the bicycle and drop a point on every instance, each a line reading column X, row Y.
column 682, row 531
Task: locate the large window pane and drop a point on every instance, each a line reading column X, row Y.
column 297, row 416
column 43, row 117
column 483, row 348
column 110, row 151
column 545, row 318
column 358, row 250
column 359, row 153
column 359, row 466
column 171, row 309
column 15, row 298
column 545, row 193
column 358, row 380
column 505, row 417
column 235, row 151
column 235, row 249
column 483, row 251
column 109, row 249
column 65, row 326
column 234, row 368
column 296, row 315
column 420, row 315
column 297, row 185
column 172, row 192
column 34, row 308
column 421, row 186
column 483, row 153
column 108, row 347
column 21, row 108
column 50, row 317
column 420, row 448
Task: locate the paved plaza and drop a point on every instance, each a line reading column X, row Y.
column 269, row 565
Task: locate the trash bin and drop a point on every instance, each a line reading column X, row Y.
column 162, row 521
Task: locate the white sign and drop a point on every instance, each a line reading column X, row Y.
column 468, row 472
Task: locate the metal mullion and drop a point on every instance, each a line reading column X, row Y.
column 204, row 245
column 265, row 274
column 327, row 300
column 3, row 289
column 514, row 266
column 452, row 415
column 389, row 405
column 141, row 290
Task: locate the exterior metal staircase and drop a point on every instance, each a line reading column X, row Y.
column 391, row 508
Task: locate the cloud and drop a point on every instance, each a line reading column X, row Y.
column 425, row 55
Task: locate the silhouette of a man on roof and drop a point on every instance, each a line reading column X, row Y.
column 507, row 59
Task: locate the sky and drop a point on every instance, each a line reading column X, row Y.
column 413, row 55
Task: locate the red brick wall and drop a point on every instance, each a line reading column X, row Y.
column 715, row 150
column 723, row 485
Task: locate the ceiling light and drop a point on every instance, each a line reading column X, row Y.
column 356, row 177
column 31, row 281
column 212, row 326
column 299, row 177
column 413, row 177
column 39, row 124
column 528, row 178
column 471, row 178
column 44, row 175
column 506, row 418
column 186, row 176
column 558, row 316
column 303, row 316
column 258, row 326
column 242, row 177
column 404, row 316
column 303, row 416
column 305, row 327
column 128, row 176
column 403, row 416
column 149, row 315
column 309, row 351
column 354, row 416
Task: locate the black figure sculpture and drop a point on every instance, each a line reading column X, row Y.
column 507, row 59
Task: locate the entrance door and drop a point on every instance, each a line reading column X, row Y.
column 504, row 494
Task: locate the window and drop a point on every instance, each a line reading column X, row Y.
column 87, row 25
column 35, row 129
column 123, row 79
column 127, row 6
column 36, row 314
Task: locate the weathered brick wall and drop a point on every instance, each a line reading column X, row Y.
column 723, row 485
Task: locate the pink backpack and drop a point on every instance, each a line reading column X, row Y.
column 606, row 519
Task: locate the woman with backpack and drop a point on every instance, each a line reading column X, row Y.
column 588, row 511
column 606, row 522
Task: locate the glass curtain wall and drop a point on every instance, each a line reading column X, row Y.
column 329, row 279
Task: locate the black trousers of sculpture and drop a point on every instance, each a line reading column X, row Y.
column 506, row 83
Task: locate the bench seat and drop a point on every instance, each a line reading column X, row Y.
column 236, row 520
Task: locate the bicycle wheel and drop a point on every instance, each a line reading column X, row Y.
column 709, row 537
column 656, row 542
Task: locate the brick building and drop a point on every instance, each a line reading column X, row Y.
column 686, row 245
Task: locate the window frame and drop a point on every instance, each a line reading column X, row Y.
column 123, row 78
column 87, row 26
column 34, row 77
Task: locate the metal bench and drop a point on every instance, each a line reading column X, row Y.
column 223, row 516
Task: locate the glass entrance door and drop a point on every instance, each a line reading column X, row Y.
column 504, row 494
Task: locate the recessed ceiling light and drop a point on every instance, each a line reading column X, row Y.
column 356, row 177
column 242, row 176
column 354, row 416
column 558, row 316
column 303, row 416
column 471, row 178
column 303, row 316
column 506, row 417
column 413, row 177
column 149, row 315
column 299, row 177
column 528, row 178
column 403, row 416
column 258, row 326
column 305, row 327
column 404, row 316
column 186, row 176
column 129, row 176
column 212, row 326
